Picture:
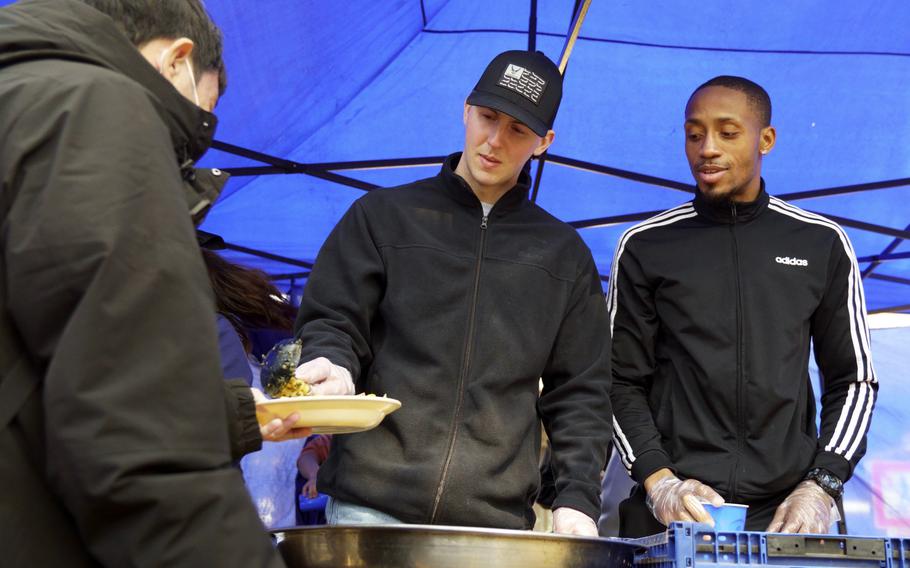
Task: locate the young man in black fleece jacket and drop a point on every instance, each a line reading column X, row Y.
column 457, row 295
column 713, row 305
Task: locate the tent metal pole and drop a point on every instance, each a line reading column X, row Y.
column 871, row 227
column 289, row 276
column 254, row 155
column 257, row 171
column 381, row 164
column 540, row 163
column 532, row 27
column 309, row 171
column 888, row 249
column 689, row 187
column 269, row 256
column 892, row 279
column 578, row 18
column 280, row 166
column 887, row 184
column 283, row 164
column 616, row 172
column 579, row 11
column 340, row 179
column 884, row 258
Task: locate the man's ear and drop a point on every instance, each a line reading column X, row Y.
column 464, row 117
column 767, row 139
column 545, row 142
column 174, row 55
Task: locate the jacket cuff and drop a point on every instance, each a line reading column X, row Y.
column 649, row 462
column 834, row 463
column 589, row 505
column 242, row 424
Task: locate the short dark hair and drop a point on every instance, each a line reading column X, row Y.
column 145, row 20
column 758, row 97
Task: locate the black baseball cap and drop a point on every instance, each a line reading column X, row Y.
column 525, row 85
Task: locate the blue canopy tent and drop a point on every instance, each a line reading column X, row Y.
column 334, row 92
column 328, row 100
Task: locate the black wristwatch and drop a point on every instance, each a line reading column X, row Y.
column 830, row 483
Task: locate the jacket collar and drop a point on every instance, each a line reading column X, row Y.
column 730, row 212
column 458, row 188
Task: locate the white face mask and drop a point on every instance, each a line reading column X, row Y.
column 189, row 68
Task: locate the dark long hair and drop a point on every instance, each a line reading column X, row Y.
column 247, row 298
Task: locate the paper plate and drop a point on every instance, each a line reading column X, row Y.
column 329, row 414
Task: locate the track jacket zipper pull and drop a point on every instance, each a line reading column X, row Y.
column 483, row 222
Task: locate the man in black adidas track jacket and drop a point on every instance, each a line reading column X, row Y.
column 713, row 305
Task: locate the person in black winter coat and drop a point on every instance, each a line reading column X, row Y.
column 713, row 305
column 456, row 295
column 115, row 438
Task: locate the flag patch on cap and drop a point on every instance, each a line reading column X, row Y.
column 523, row 81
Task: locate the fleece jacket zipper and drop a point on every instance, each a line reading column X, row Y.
column 465, row 367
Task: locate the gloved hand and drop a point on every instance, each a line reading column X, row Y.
column 672, row 499
column 570, row 521
column 806, row 510
column 325, row 377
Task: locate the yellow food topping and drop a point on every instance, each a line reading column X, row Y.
column 294, row 387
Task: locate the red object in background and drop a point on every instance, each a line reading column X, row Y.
column 891, row 479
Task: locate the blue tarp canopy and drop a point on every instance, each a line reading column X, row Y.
column 332, row 93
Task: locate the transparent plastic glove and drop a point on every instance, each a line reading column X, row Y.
column 672, row 499
column 570, row 521
column 806, row 510
column 325, row 377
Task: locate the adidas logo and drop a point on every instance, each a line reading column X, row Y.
column 791, row 261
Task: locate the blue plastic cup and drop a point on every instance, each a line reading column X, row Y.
column 728, row 517
column 317, row 503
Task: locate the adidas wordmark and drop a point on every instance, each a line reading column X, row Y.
column 791, row 261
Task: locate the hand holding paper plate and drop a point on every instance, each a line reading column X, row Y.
column 336, row 414
column 330, row 414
